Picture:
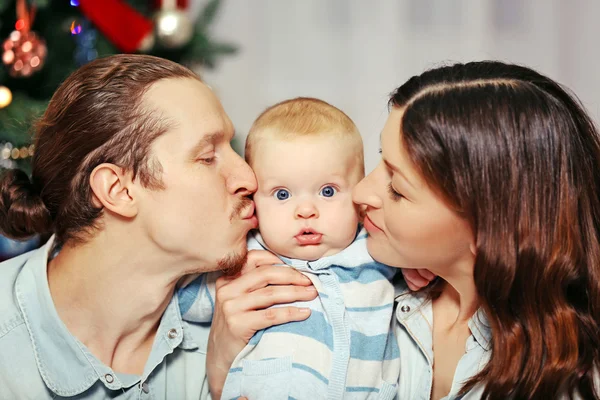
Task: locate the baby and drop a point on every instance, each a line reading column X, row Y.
column 308, row 156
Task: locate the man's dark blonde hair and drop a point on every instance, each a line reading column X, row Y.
column 97, row 115
column 303, row 116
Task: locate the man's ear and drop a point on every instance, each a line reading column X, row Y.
column 111, row 186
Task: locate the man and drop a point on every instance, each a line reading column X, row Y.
column 135, row 179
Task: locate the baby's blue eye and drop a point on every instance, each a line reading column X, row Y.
column 328, row 191
column 282, row 194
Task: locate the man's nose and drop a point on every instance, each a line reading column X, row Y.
column 241, row 180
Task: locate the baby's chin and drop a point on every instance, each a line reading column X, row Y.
column 307, row 254
column 310, row 252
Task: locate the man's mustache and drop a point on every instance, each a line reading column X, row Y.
column 241, row 206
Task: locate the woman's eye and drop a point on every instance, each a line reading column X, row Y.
column 282, row 194
column 394, row 194
column 328, row 191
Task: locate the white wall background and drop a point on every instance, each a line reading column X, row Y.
column 352, row 53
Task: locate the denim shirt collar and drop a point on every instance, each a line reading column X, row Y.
column 481, row 330
column 414, row 301
column 67, row 367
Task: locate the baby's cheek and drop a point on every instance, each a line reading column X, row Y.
column 262, row 211
column 346, row 224
column 265, row 223
column 271, row 226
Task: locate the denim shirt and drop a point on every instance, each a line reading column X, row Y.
column 414, row 333
column 41, row 359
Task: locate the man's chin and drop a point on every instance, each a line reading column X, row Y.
column 232, row 264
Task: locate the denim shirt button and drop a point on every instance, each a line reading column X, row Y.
column 145, row 388
column 172, row 333
column 109, row 378
column 405, row 308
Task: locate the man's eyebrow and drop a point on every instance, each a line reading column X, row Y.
column 206, row 140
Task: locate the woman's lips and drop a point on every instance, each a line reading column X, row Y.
column 370, row 226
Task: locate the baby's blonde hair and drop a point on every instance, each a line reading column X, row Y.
column 300, row 117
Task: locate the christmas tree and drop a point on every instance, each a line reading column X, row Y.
column 48, row 39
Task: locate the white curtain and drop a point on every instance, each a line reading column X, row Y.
column 352, row 53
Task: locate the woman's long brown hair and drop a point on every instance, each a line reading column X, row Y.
column 520, row 159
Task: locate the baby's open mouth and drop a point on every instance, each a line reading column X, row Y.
column 307, row 237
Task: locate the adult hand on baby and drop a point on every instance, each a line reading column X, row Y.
column 242, row 308
column 417, row 278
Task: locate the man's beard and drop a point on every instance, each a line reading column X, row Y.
column 232, row 264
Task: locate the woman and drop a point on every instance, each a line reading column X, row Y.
column 490, row 178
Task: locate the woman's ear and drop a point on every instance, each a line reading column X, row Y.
column 111, row 188
column 473, row 248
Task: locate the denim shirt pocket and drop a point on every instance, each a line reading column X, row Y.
column 267, row 379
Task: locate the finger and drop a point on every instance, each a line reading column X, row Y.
column 414, row 276
column 262, row 277
column 411, row 286
column 257, row 258
column 221, row 281
column 415, row 280
column 269, row 296
column 257, row 320
column 426, row 274
column 414, row 286
column 409, row 274
column 419, row 282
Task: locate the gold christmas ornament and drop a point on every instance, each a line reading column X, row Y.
column 5, row 96
column 173, row 28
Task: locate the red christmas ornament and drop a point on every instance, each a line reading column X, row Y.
column 130, row 31
column 24, row 52
column 122, row 24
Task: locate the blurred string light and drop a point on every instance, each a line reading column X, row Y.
column 75, row 28
column 85, row 39
column 9, row 154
